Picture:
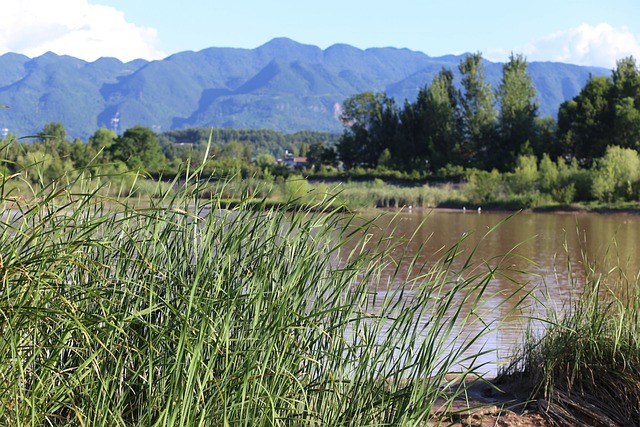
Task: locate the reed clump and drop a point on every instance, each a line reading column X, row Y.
column 583, row 368
column 177, row 312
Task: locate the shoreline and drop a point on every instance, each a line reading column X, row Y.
column 540, row 210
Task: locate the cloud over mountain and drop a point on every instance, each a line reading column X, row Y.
column 600, row 45
column 73, row 27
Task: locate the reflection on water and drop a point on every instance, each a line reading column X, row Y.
column 533, row 249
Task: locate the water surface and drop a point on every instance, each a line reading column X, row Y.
column 534, row 251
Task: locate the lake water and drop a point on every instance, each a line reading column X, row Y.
column 540, row 244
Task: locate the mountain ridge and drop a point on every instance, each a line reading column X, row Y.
column 281, row 85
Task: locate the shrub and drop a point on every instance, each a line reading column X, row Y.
column 483, row 186
column 525, row 177
column 616, row 174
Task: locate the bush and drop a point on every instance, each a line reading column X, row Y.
column 296, row 187
column 616, row 175
column 525, row 177
column 482, row 186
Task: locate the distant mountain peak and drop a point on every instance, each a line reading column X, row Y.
column 282, row 85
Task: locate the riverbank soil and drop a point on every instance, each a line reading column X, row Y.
column 488, row 405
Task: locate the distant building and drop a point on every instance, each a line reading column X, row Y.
column 295, row 162
column 4, row 132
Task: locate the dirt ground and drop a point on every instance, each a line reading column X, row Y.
column 487, row 406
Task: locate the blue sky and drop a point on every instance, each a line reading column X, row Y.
column 584, row 32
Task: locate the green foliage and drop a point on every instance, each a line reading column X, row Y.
column 548, row 174
column 433, row 122
column 261, row 141
column 444, row 126
column 585, row 122
column 138, row 148
column 617, row 175
column 296, row 188
column 525, row 178
column 321, row 155
column 565, row 194
column 372, row 122
column 265, row 161
column 478, row 112
column 483, row 186
column 556, row 180
column 606, row 112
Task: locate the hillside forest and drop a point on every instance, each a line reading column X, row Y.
column 492, row 139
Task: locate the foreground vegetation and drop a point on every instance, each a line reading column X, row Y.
column 581, row 359
column 170, row 310
column 177, row 312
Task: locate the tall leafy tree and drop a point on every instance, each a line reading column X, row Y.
column 411, row 146
column 371, row 121
column 626, row 100
column 100, row 144
column 320, row 155
column 54, row 139
column 439, row 108
column 546, row 138
column 518, row 111
column 479, row 114
column 626, row 80
column 585, row 123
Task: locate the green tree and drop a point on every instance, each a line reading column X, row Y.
column 627, row 124
column 296, row 188
column 546, row 138
column 438, row 109
column 78, row 153
column 304, row 149
column 320, row 155
column 478, row 112
column 518, row 111
column 100, row 143
column 548, row 174
column 483, row 186
column 585, row 123
column 233, row 150
column 138, row 148
column 626, row 100
column 626, row 81
column 372, row 122
column 525, row 177
column 54, row 140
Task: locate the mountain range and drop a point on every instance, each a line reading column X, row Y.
column 282, row 85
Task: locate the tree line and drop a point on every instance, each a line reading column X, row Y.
column 494, row 139
column 451, row 127
column 244, row 152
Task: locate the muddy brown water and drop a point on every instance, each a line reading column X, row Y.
column 537, row 248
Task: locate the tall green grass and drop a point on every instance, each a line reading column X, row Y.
column 176, row 312
column 581, row 360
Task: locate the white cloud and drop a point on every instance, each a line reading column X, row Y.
column 601, row 45
column 73, row 27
